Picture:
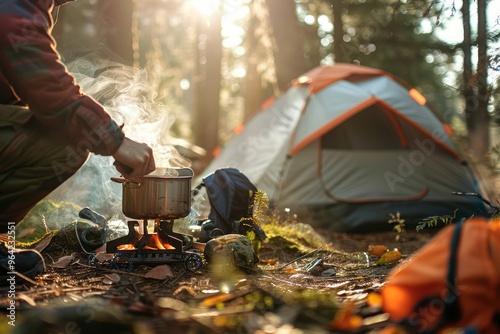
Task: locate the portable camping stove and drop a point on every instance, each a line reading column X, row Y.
column 162, row 246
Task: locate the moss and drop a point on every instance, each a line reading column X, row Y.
column 297, row 237
column 56, row 220
column 65, row 240
column 33, row 243
column 46, row 216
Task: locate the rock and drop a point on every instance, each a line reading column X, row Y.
column 232, row 250
column 329, row 272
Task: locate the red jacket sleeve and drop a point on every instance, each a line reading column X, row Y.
column 32, row 67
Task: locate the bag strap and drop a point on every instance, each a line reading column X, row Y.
column 451, row 307
column 451, row 312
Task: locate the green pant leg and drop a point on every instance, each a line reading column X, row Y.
column 33, row 162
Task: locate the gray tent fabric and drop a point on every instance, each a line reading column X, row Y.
column 346, row 146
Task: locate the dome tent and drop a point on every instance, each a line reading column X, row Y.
column 347, row 145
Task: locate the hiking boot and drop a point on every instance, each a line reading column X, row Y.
column 27, row 262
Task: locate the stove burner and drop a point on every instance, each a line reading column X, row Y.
column 176, row 250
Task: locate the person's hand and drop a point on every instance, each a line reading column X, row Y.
column 134, row 159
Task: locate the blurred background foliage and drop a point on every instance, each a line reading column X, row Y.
column 214, row 62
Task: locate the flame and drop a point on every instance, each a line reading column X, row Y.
column 154, row 243
column 126, row 247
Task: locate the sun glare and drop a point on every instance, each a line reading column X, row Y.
column 206, row 7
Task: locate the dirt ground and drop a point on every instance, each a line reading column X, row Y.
column 280, row 297
column 286, row 294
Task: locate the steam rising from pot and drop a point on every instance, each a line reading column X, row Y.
column 124, row 92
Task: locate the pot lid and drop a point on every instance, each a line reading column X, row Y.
column 171, row 172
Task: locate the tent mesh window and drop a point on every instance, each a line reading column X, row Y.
column 371, row 129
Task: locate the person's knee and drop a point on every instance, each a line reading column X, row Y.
column 68, row 162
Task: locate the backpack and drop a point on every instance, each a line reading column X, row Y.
column 231, row 195
column 451, row 282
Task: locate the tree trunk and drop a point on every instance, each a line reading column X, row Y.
column 207, row 83
column 117, row 14
column 289, row 53
column 468, row 85
column 338, row 32
column 479, row 131
column 475, row 86
column 253, row 90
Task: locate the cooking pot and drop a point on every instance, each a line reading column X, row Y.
column 165, row 194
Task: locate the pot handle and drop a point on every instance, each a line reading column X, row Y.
column 125, row 181
column 118, row 179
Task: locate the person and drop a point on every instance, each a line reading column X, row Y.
column 48, row 126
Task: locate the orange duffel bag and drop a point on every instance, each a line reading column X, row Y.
column 451, row 282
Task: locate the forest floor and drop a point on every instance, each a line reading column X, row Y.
column 284, row 294
column 325, row 283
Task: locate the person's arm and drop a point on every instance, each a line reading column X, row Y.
column 32, row 66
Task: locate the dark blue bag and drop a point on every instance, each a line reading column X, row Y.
column 231, row 195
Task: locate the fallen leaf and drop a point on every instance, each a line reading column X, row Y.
column 290, row 271
column 111, row 278
column 101, row 257
column 160, row 272
column 107, row 281
column 214, row 300
column 75, row 296
column 374, row 299
column 44, row 243
column 101, row 249
column 25, row 232
column 27, row 299
column 377, row 250
column 270, row 262
column 389, row 257
column 63, row 261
